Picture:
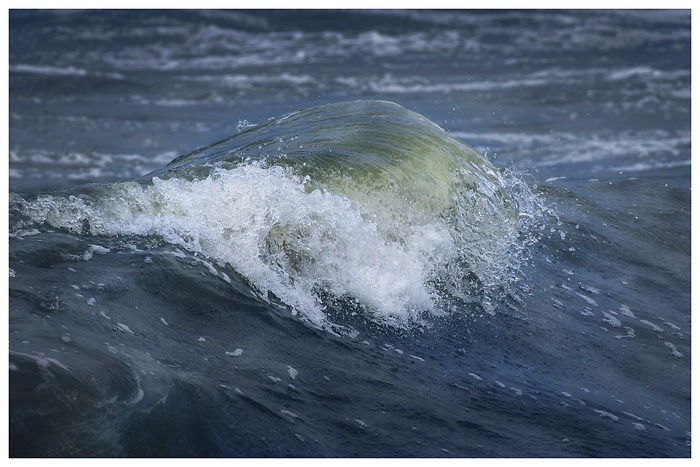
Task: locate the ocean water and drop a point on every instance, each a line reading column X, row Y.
column 349, row 234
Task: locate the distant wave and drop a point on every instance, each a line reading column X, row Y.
column 59, row 71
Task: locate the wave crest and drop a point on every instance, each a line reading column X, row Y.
column 362, row 201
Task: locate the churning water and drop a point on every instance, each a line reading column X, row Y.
column 427, row 234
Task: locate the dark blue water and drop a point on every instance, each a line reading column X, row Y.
column 379, row 292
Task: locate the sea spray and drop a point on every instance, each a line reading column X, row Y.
column 362, row 201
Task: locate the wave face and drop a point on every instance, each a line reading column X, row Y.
column 362, row 203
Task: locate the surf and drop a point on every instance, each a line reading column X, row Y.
column 362, row 202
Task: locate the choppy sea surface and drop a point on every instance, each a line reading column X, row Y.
column 349, row 233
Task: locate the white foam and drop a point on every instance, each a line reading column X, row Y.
column 604, row 414
column 634, row 416
column 674, row 352
column 625, row 310
column 124, row 328
column 232, row 216
column 630, row 333
column 653, row 326
column 587, row 299
column 590, row 289
column 289, row 413
column 48, row 70
column 611, row 320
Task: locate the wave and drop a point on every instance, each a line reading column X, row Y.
column 364, row 203
column 59, row 71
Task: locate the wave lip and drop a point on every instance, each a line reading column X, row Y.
column 361, row 201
